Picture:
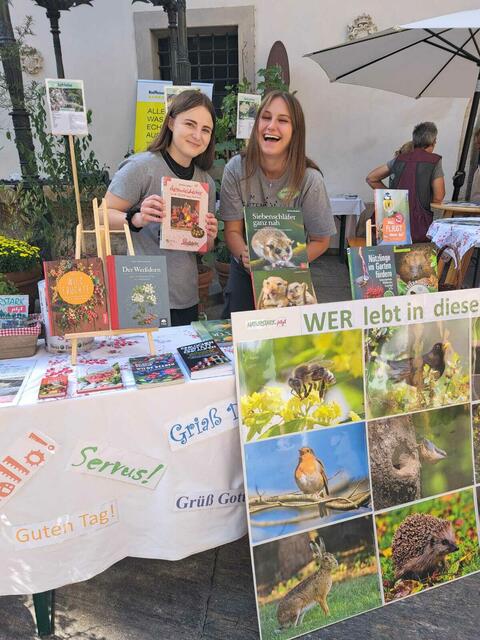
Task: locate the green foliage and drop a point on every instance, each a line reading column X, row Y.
column 459, row 509
column 47, row 215
column 347, row 598
column 6, row 287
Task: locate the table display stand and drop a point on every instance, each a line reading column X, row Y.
column 369, row 226
column 44, row 605
column 102, row 237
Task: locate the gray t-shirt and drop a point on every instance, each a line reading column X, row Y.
column 437, row 171
column 140, row 176
column 237, row 193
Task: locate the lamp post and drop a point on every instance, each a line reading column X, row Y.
column 12, row 69
column 176, row 9
column 53, row 8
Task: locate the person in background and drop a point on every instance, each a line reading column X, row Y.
column 420, row 171
column 475, row 191
column 183, row 149
column 272, row 171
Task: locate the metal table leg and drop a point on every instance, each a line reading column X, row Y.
column 44, row 605
column 341, row 238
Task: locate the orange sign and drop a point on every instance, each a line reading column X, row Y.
column 75, row 287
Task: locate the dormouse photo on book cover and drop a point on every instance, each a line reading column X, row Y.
column 276, row 238
column 186, row 207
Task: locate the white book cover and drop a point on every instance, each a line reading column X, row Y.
column 186, row 206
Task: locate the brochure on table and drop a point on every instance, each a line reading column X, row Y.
column 360, row 430
column 66, row 107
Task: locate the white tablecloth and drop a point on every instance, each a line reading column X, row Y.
column 343, row 206
column 462, row 233
column 188, row 427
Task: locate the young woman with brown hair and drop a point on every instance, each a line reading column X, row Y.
column 273, row 171
column 184, row 149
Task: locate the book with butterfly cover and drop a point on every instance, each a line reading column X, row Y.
column 153, row 371
column 205, row 359
column 184, row 226
column 76, row 296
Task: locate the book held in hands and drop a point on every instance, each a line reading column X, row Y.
column 153, row 371
column 184, row 226
column 138, row 291
column 205, row 360
column 277, row 250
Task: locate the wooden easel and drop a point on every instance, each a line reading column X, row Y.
column 102, row 238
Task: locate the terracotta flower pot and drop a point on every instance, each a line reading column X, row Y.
column 223, row 271
column 26, row 282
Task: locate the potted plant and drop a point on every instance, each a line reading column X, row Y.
column 20, row 264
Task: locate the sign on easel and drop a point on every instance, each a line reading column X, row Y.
column 360, row 431
column 66, row 106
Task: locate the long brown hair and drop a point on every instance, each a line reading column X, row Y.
column 297, row 161
column 185, row 101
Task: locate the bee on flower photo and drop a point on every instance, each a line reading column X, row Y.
column 296, row 384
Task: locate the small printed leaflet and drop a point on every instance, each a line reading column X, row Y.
column 104, row 461
column 247, row 107
column 138, row 291
column 277, row 249
column 186, row 207
column 13, row 377
column 76, row 296
column 94, row 377
column 53, row 387
column 13, row 310
column 392, row 216
column 23, row 459
column 152, row 371
column 66, row 105
column 382, row 271
column 205, row 360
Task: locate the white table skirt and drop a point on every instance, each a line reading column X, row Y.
column 168, row 522
column 342, row 206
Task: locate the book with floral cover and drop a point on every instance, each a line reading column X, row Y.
column 138, row 291
column 186, row 206
column 76, row 296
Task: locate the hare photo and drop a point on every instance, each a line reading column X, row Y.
column 311, row 591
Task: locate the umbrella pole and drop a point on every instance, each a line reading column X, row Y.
column 459, row 177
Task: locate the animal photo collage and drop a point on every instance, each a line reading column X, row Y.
column 361, row 452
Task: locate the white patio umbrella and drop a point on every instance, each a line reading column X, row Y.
column 438, row 57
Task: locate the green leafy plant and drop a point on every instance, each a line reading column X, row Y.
column 16, row 255
column 6, row 287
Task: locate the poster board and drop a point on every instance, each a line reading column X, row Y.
column 360, row 431
column 150, row 109
column 66, row 107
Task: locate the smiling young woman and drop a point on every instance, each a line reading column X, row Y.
column 273, row 171
column 184, row 149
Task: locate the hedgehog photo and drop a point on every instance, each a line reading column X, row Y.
column 420, row 545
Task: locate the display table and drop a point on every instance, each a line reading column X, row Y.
column 342, row 207
column 461, row 233
column 67, row 523
column 456, row 209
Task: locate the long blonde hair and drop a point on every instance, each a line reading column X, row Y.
column 297, row 161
